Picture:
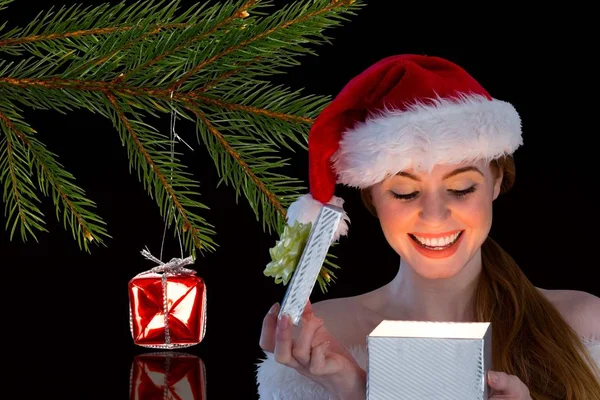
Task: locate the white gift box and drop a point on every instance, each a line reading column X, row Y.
column 420, row 360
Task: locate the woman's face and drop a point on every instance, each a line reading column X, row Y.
column 437, row 222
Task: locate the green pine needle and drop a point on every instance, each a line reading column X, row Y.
column 5, row 3
column 20, row 155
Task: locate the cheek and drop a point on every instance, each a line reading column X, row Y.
column 475, row 213
column 396, row 216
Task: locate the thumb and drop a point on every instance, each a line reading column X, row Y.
column 503, row 384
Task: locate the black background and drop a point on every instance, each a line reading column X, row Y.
column 67, row 311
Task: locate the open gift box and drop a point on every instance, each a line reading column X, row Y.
column 429, row 360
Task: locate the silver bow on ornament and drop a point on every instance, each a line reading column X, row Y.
column 173, row 267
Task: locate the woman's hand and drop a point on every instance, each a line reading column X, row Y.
column 314, row 353
column 507, row 387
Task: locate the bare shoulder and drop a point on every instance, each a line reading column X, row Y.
column 580, row 309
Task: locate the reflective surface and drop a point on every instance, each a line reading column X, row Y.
column 168, row 375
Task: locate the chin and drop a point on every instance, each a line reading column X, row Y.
column 437, row 270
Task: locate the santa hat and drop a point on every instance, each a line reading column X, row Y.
column 405, row 111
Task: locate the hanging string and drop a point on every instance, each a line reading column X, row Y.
column 173, row 136
column 176, row 265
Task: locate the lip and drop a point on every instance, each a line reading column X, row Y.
column 438, row 253
column 435, row 235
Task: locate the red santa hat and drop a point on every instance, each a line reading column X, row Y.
column 405, row 111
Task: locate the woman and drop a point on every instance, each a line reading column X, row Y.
column 430, row 150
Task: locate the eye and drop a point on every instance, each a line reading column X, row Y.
column 461, row 193
column 407, row 196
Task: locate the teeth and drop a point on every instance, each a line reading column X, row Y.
column 438, row 242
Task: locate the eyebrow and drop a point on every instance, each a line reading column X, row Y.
column 448, row 175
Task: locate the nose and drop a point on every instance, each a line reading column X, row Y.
column 434, row 209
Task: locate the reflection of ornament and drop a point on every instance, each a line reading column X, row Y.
column 286, row 253
column 167, row 305
column 168, row 375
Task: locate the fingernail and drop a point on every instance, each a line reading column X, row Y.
column 274, row 308
column 283, row 322
column 493, row 377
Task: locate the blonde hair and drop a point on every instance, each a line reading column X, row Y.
column 531, row 339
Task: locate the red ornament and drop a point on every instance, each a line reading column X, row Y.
column 167, row 306
column 167, row 376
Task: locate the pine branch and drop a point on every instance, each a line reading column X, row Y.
column 94, row 62
column 326, row 276
column 18, row 188
column 23, row 152
column 286, row 99
column 278, row 116
column 145, row 148
column 223, row 20
column 74, row 22
column 238, row 46
column 244, row 165
column 274, row 38
column 209, row 64
column 223, row 76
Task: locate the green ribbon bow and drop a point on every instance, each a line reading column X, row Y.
column 285, row 255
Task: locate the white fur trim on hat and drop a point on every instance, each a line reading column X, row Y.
column 449, row 131
column 306, row 209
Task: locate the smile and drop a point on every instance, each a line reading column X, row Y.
column 437, row 243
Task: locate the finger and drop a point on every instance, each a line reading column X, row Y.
column 506, row 385
column 307, row 309
column 302, row 348
column 283, row 342
column 269, row 326
column 318, row 360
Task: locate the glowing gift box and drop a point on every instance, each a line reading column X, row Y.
column 429, row 360
column 167, row 306
column 162, row 376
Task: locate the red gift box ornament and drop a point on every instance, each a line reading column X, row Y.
column 167, row 305
column 167, row 376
